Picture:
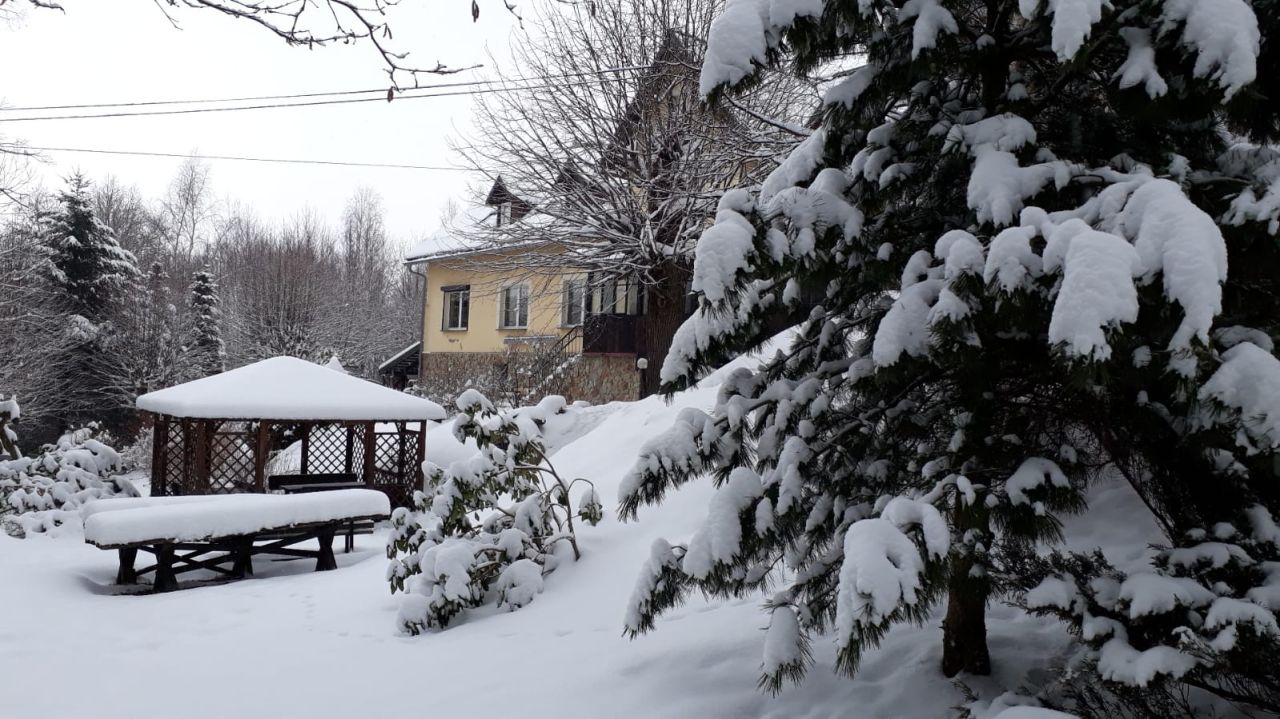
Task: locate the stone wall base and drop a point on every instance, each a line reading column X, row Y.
column 591, row 378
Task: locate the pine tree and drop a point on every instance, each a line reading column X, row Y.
column 1044, row 233
column 205, row 352
column 91, row 274
column 88, row 265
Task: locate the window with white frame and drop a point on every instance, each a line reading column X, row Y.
column 574, row 302
column 457, row 307
column 504, row 214
column 513, row 312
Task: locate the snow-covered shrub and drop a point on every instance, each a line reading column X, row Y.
column 489, row 527
column 43, row 492
column 137, row 454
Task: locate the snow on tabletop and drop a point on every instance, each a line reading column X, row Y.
column 230, row 515
column 287, row 388
column 115, row 504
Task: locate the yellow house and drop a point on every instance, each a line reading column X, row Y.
column 510, row 319
column 513, row 323
column 477, row 302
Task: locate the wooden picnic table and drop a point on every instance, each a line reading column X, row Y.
column 209, row 542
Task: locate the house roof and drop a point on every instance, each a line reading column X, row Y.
column 427, row 254
column 291, row 389
column 405, row 353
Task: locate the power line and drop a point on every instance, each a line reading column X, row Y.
column 382, row 91
column 194, row 111
column 338, row 163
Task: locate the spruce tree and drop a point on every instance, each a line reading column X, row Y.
column 206, row 354
column 88, row 265
column 91, row 274
column 1044, row 237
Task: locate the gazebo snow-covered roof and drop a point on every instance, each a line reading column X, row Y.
column 219, row 434
column 288, row 388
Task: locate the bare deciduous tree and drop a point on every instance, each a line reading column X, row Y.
column 624, row 168
column 187, row 214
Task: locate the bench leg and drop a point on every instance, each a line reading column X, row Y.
column 325, row 560
column 126, row 573
column 242, row 565
column 166, row 580
column 351, row 538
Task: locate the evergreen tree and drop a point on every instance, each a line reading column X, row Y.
column 1046, row 235
column 91, row 274
column 205, row 352
column 88, row 265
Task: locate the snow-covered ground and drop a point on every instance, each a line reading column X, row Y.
column 293, row 643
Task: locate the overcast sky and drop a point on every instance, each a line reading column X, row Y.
column 125, row 50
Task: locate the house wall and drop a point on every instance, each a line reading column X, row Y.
column 483, row 333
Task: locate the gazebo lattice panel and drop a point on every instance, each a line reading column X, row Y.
column 392, row 452
column 171, row 461
column 208, row 456
column 231, row 458
column 329, row 449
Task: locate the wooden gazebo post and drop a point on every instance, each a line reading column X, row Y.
column 202, row 457
column 261, row 448
column 159, row 438
column 305, row 465
column 349, row 456
column 370, row 445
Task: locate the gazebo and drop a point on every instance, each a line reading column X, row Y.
column 216, row 435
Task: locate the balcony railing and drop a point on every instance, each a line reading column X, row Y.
column 612, row 334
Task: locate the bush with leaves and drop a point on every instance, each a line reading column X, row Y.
column 489, row 527
column 42, row 493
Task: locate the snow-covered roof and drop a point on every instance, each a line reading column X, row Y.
column 450, row 237
column 407, row 351
column 287, row 388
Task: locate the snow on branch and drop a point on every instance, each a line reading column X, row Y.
column 742, row 36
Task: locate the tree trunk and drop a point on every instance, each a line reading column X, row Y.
column 663, row 316
column 964, row 630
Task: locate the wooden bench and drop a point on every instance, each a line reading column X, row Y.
column 191, row 535
column 324, row 482
column 303, row 483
